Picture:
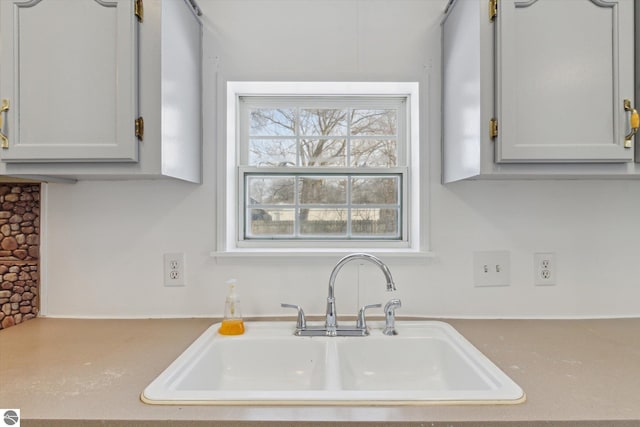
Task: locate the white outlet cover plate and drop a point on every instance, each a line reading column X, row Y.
column 548, row 258
column 174, row 263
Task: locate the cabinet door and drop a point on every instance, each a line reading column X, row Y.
column 68, row 70
column 563, row 70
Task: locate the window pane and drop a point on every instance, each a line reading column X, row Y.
column 270, row 222
column 318, row 122
column 374, row 190
column 323, row 222
column 374, row 153
column 272, row 122
column 272, row 152
column 322, row 190
column 375, row 222
column 270, row 191
column 319, row 168
column 374, row 122
column 323, row 152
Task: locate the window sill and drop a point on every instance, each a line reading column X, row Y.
column 319, row 253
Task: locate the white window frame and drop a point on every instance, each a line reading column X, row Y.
column 229, row 215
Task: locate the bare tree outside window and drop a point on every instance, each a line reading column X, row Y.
column 361, row 200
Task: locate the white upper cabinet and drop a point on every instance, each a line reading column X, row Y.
column 538, row 90
column 101, row 89
column 69, row 72
column 563, row 69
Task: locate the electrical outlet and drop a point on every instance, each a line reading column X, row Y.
column 544, row 269
column 491, row 268
column 174, row 269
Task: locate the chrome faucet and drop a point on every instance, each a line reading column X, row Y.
column 331, row 323
column 330, row 327
column 361, row 323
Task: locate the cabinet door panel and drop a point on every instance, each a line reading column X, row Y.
column 181, row 91
column 69, row 70
column 563, row 70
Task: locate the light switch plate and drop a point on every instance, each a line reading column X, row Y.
column 491, row 268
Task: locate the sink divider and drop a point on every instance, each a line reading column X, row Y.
column 333, row 379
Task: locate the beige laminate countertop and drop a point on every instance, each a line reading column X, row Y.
column 64, row 372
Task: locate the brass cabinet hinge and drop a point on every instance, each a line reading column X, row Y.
column 493, row 128
column 138, row 10
column 634, row 123
column 4, row 109
column 493, row 10
column 140, row 128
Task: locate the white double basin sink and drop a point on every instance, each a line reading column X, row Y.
column 427, row 362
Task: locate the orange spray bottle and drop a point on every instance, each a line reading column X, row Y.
column 232, row 323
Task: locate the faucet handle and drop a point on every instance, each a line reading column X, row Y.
column 302, row 321
column 390, row 316
column 362, row 322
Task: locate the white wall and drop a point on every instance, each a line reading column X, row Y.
column 106, row 239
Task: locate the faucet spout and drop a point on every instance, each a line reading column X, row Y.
column 331, row 323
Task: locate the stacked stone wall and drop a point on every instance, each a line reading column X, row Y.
column 19, row 253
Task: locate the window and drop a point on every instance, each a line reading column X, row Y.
column 321, row 165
